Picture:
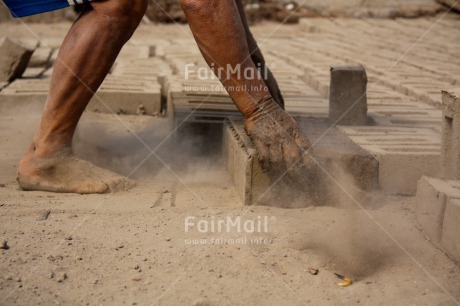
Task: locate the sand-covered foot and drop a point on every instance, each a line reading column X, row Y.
column 66, row 173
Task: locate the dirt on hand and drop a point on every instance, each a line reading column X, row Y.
column 276, row 136
column 283, row 151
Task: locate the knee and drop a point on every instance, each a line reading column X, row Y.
column 198, row 6
column 131, row 10
column 124, row 15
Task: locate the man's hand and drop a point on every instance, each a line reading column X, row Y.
column 278, row 140
column 282, row 150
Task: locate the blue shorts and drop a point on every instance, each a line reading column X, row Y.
column 21, row 8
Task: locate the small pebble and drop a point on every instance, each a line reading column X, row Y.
column 62, row 277
column 136, row 278
column 4, row 245
column 313, row 271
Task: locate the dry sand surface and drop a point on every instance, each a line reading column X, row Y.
column 131, row 248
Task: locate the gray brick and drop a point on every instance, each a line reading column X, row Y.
column 14, row 57
column 125, row 95
column 451, row 229
column 431, row 198
column 335, row 153
column 347, row 98
column 404, row 154
column 450, row 157
column 40, row 58
column 25, row 92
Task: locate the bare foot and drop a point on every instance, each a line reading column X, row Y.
column 66, row 173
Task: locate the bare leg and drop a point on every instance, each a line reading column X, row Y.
column 85, row 57
column 218, row 30
column 259, row 60
column 221, row 37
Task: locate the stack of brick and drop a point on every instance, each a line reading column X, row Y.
column 438, row 199
column 14, row 57
column 418, row 72
column 132, row 88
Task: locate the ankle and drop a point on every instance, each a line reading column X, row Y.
column 46, row 150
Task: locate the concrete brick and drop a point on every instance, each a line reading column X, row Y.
column 450, row 239
column 47, row 73
column 31, row 92
column 335, row 153
column 406, row 117
column 388, row 107
column 241, row 161
column 210, row 102
column 14, row 57
column 134, row 51
column 347, row 98
column 432, row 197
column 117, row 94
column 421, row 74
column 149, row 69
column 417, row 83
column 319, row 81
column 300, row 99
column 197, row 100
column 33, row 73
column 51, row 41
column 125, row 95
column 253, row 185
column 40, row 58
column 450, row 153
column 404, row 154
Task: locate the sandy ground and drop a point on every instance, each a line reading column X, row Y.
column 131, row 248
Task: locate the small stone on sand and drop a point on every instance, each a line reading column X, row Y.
column 4, row 245
column 62, row 277
column 136, row 278
column 313, row 271
column 43, row 215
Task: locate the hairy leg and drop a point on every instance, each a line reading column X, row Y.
column 259, row 60
column 85, row 57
